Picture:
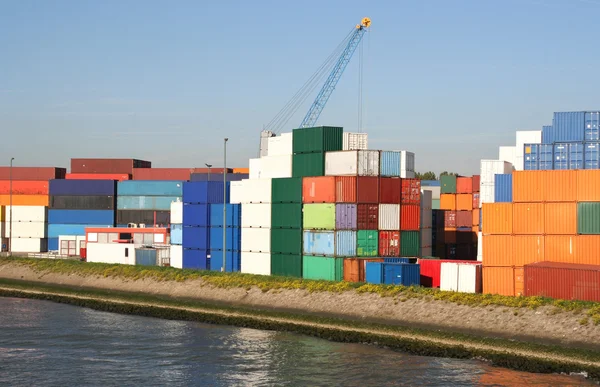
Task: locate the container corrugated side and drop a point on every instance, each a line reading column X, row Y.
column 367, row 243
column 345, row 243
column 497, row 218
column 389, row 217
column 561, row 248
column 528, row 186
column 308, row 164
column 390, row 190
column 345, row 189
column 489, row 168
column 25, row 214
column 196, row 259
column 286, row 241
column 257, row 191
column 368, row 163
column 390, row 163
column 588, row 185
column 256, row 263
column 318, row 189
column 560, row 218
column 177, row 212
column 319, row 216
column 409, row 243
column 256, row 215
column 367, row 189
column 588, row 218
column 464, row 202
column 568, row 126
column 503, row 188
column 321, row 243
column 24, row 200
column 286, row 265
column 140, row 188
column 286, row 215
column 410, row 217
column 355, row 141
column 256, row 240
column 464, row 185
column 317, row 139
column 56, row 230
column 81, row 216
column 560, row 186
column 448, row 184
column 343, row 163
column 196, row 238
column 206, row 192
column 232, row 236
column 448, row 202
column 389, row 243
column 367, row 216
column 586, row 249
column 345, row 216
column 563, row 281
column 528, row 219
column 323, row 268
column 196, row 215
column 354, row 268
column 499, row 280
column 26, row 230
column 285, row 190
column 528, row 249
column 23, row 187
column 234, row 215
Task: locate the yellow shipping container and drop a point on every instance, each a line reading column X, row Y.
column 24, row 200
column 497, row 218
column 528, row 219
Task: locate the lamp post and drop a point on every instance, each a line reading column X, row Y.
column 223, row 269
column 208, row 166
column 10, row 207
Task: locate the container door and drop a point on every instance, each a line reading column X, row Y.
column 64, row 247
column 72, row 248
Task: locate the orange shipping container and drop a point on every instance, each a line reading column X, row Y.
column 519, row 274
column 464, row 202
column 464, row 185
column 241, row 170
column 24, row 187
column 345, row 189
column 476, row 217
column 318, row 189
column 528, row 186
column 528, row 249
column 500, row 280
column 587, row 248
column 588, row 185
column 560, row 218
column 560, row 248
column 24, row 200
column 497, row 218
column 498, row 250
column 448, row 202
column 528, row 218
column 560, row 186
column 354, row 268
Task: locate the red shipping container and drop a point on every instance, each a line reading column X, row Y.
column 32, row 173
column 563, row 280
column 411, row 191
column 389, row 243
column 476, row 200
column 464, row 185
column 431, row 270
column 390, row 190
column 450, row 219
column 172, row 173
column 464, row 219
column 107, row 165
column 367, row 190
column 98, row 176
column 367, row 216
column 24, row 187
column 410, row 217
column 345, row 189
column 476, row 182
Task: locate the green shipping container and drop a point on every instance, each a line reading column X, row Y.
column 308, row 164
column 286, row 265
column 322, row 268
column 435, row 204
column 410, row 243
column 367, row 243
column 319, row 216
column 318, row 139
column 588, row 218
column 286, row 215
column 286, row 190
column 448, row 184
column 286, row 241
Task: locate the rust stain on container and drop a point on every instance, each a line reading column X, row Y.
column 497, row 218
column 24, row 187
column 528, row 186
column 560, row 218
column 528, row 219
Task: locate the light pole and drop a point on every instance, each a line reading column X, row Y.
column 10, row 207
column 208, row 166
column 223, row 269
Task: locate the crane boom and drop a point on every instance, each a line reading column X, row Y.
column 319, row 104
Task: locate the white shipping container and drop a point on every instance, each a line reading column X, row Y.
column 256, row 215
column 70, row 244
column 26, row 229
column 257, row 240
column 490, row 168
column 352, row 163
column 272, row 167
column 389, row 217
column 486, row 193
column 281, row 145
column 507, row 153
column 355, row 141
column 257, row 191
column 177, row 212
column 426, row 237
column 480, row 246
column 237, row 191
column 121, row 253
column 407, row 162
column 28, row 245
column 177, row 256
column 368, row 163
column 435, row 191
column 27, row 214
column 449, row 277
column 255, row 166
column 460, row 277
column 256, row 263
column 525, row 137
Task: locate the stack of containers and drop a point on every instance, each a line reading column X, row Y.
column 309, row 146
column 278, row 161
column 197, row 196
column 107, row 166
column 147, row 202
column 75, row 205
column 286, row 227
column 393, row 271
column 177, row 235
column 410, row 218
column 231, row 228
column 29, row 228
column 435, row 187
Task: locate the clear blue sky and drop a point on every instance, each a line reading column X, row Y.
column 166, row 81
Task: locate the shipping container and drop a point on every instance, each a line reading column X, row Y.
column 401, row 274
column 464, row 202
column 24, row 200
column 464, row 219
column 213, row 176
column 464, row 278
column 588, row 185
column 448, row 183
column 182, row 174
column 588, row 217
column 503, row 188
column 286, row 215
column 268, row 167
column 146, row 202
column 146, row 257
column 464, row 185
column 367, row 243
column 410, row 243
column 390, row 190
column 323, row 268
column 586, row 249
column 497, row 218
column 592, row 123
column 82, row 202
column 281, row 145
column 319, row 216
column 147, row 217
column 448, row 202
column 151, row 188
column 367, row 189
column 410, row 217
column 389, row 243
column 321, row 243
column 476, row 217
column 476, row 181
column 56, row 230
column 98, row 176
column 195, row 259
column 232, row 260
column 26, row 230
column 256, row 240
column 241, row 170
column 346, row 216
column 288, row 190
column 206, row 192
column 52, row 244
column 498, row 250
column 430, row 270
column 25, row 214
column 82, row 187
column 450, row 219
column 345, row 243
column 503, row 281
column 256, row 263
column 528, row 219
column 566, row 127
column 308, row 164
column 529, row 186
column 352, row 163
column 489, row 168
column 176, row 256
column 286, row 265
column 196, row 237
column 176, row 215
column 23, row 187
column 374, row 273
column 257, row 191
column 32, row 173
column 318, row 189
column 389, row 216
column 476, row 201
column 123, row 166
column 528, row 249
column 196, row 215
column 561, row 248
column 355, row 141
column 563, row 281
column 390, row 163
column 256, row 215
column 367, row 216
column 317, row 139
column 560, row 218
column 286, row 241
column 560, row 186
column 345, row 189
column 234, row 215
column 81, row 216
column 176, row 234
column 28, row 245
column 237, row 191
column 232, row 238
column 591, row 155
column 354, row 268
column 411, row 191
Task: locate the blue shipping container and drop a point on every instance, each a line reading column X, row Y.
column 592, row 122
column 374, row 272
column 56, row 230
column 233, row 261
column 218, row 177
column 205, row 192
column 345, row 243
column 176, row 234
column 233, row 238
column 396, row 260
column 52, row 244
column 196, row 215
column 561, row 156
column 320, row 243
column 568, row 127
column 430, row 183
column 234, row 215
column 503, row 188
column 63, row 187
column 195, row 259
column 157, row 203
column 150, row 188
column 592, row 155
column 531, row 157
column 402, row 274
column 389, row 163
column 81, row 217
column 576, row 155
column 145, row 257
column 547, row 134
column 196, row 238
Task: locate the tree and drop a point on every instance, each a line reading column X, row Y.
column 446, row 173
column 426, row 176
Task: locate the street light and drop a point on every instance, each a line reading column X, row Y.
column 223, row 269
column 10, row 207
column 208, row 166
